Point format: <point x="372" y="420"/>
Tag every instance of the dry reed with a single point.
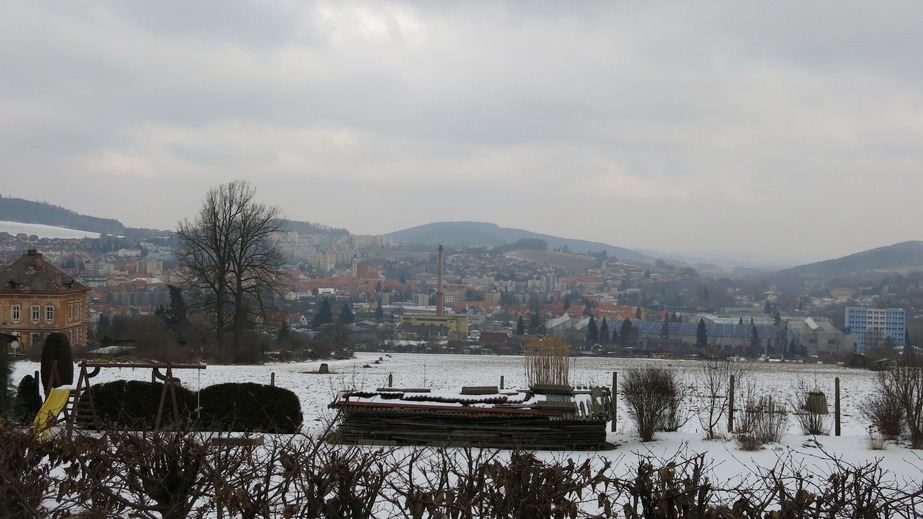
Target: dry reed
<point x="548" y="362"/>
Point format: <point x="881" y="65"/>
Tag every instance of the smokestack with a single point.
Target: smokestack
<point x="440" y="295"/>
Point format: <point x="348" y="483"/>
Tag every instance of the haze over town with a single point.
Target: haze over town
<point x="786" y="130"/>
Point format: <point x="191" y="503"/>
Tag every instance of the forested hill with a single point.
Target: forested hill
<point x="899" y="258"/>
<point x="25" y="211"/>
<point x="480" y="234"/>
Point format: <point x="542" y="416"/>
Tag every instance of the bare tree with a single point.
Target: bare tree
<point x="713" y="382"/>
<point x="231" y="258"/>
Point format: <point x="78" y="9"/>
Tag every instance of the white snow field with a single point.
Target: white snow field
<point x="728" y="463"/>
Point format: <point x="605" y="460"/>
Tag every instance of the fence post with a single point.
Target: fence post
<point x="272" y="379"/>
<point x="501" y="382"/>
<point x="390" y="379"/>
<point x="836" y="406"/>
<point x="614" y="402"/>
<point x="731" y="406"/>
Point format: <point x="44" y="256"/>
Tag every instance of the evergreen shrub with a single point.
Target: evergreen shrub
<point x="57" y="347"/>
<point x="249" y="407"/>
<point x="28" y="400"/>
<point x="7" y="397"/>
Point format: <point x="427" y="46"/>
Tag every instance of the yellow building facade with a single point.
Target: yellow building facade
<point x="36" y="299"/>
<point x="452" y="327"/>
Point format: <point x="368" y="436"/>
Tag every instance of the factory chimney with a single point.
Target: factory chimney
<point x="440" y="295"/>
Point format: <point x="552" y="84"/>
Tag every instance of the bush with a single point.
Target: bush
<point x="810" y="416"/>
<point x="57" y="348"/>
<point x="133" y="403"/>
<point x="904" y="383"/>
<point x="885" y="412"/>
<point x="28" y="400"/>
<point x="249" y="407"/>
<point x="650" y="393"/>
<point x="7" y="397"/>
<point x="764" y="422"/>
<point x="676" y="414"/>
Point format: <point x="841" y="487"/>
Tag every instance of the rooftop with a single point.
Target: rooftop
<point x="30" y="273"/>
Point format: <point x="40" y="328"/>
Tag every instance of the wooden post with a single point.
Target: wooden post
<point x="614" y="402"/>
<point x="836" y="406"/>
<point x="390" y="379"/>
<point x="501" y="382"/>
<point x="272" y="379"/>
<point x="52" y="379"/>
<point x="731" y="405"/>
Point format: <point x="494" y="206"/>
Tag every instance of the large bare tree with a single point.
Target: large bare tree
<point x="231" y="258"/>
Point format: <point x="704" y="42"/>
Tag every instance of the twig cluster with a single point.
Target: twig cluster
<point x="180" y="473"/>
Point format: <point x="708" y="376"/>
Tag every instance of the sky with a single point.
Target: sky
<point x="786" y="130"/>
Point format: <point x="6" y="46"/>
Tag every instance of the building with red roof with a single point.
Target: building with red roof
<point x="37" y="298"/>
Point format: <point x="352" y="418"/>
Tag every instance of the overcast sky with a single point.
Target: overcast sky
<point x="790" y="130"/>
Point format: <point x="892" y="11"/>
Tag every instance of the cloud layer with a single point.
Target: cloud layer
<point x="786" y="129"/>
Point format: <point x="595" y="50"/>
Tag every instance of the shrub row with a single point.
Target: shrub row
<point x="180" y="474"/>
<point x="240" y="407"/>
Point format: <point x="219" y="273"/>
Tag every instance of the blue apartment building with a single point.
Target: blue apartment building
<point x="875" y="327"/>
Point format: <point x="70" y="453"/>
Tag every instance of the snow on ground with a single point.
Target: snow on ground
<point x="368" y="371"/>
<point x="44" y="231"/>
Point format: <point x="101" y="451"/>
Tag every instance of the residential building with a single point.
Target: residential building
<point x="429" y="326"/>
<point x="37" y="298"/>
<point x="150" y="266"/>
<point x="819" y="336"/>
<point x="876" y="327"/>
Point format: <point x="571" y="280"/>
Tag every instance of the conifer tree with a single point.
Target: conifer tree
<point x="701" y="334"/>
<point x="346" y="315"/>
<point x="754" y="337"/>
<point x="592" y="331"/>
<point x="324" y="314"/>
<point x="625" y="333"/>
<point x="536" y="326"/>
<point x="604" y="333"/>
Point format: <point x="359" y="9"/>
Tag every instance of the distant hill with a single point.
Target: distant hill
<point x="480" y="234"/>
<point x="899" y="258"/>
<point x="313" y="228"/>
<point x="25" y="211"/>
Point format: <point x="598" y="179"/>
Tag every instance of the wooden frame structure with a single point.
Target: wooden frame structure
<point x="86" y="407"/>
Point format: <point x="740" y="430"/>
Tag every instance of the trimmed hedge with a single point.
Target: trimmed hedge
<point x="28" y="400"/>
<point x="57" y="347"/>
<point x="133" y="403"/>
<point x="249" y="407"/>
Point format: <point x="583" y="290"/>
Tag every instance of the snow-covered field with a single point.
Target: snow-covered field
<point x="44" y="231"/>
<point x="450" y="372"/>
